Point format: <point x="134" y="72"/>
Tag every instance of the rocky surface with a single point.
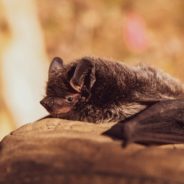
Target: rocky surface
<point x="60" y="151"/>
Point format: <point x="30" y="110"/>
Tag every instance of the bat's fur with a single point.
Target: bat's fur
<point x="119" y="91"/>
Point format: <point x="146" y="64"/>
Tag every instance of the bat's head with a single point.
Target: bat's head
<point x="67" y="86"/>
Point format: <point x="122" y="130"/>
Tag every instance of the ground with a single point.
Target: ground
<point x="61" y="151"/>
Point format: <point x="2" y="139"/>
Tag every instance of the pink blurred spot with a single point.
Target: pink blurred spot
<point x="134" y="33"/>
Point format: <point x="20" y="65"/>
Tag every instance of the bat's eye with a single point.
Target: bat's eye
<point x="69" y="98"/>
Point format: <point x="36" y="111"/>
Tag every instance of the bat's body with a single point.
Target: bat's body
<point x="98" y="90"/>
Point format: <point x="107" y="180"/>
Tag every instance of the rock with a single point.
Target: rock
<point x="60" y="151"/>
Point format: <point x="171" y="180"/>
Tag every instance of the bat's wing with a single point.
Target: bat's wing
<point x="161" y="123"/>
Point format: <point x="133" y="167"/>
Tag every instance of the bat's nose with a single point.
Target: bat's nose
<point x="42" y="102"/>
<point x="45" y="103"/>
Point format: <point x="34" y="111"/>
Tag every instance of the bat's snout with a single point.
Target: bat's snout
<point x="46" y="104"/>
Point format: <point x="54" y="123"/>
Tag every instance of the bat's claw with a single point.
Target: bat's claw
<point x="128" y="131"/>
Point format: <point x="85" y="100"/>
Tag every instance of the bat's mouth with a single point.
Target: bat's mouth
<point x="60" y="115"/>
<point x="62" y="111"/>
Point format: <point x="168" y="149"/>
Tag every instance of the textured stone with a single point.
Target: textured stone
<point x="60" y="151"/>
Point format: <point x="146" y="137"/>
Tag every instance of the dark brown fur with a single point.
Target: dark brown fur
<point x="117" y="92"/>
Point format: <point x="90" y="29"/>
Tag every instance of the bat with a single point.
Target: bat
<point x="100" y="90"/>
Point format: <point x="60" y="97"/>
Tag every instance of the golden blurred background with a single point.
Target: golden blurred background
<point x="33" y="32"/>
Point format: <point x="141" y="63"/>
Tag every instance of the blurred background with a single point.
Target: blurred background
<point x="33" y="32"/>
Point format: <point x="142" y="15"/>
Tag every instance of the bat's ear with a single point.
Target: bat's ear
<point x="83" y="74"/>
<point x="55" y="66"/>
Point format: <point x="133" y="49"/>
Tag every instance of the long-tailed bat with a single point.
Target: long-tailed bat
<point x="99" y="90"/>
